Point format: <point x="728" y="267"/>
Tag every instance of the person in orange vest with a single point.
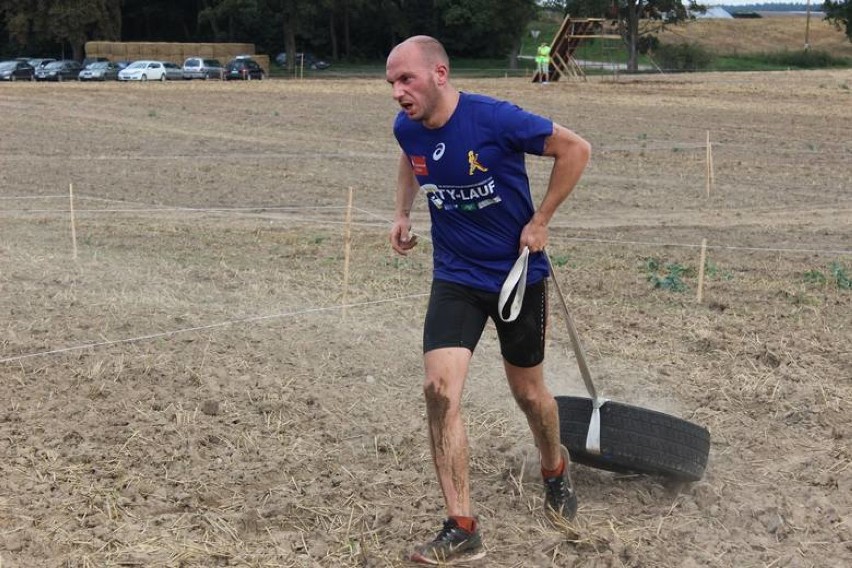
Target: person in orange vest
<point x="542" y="62"/>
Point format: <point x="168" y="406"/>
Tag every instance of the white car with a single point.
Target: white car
<point x="143" y="71"/>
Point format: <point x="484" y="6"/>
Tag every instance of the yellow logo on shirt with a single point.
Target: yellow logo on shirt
<point x="473" y="160"/>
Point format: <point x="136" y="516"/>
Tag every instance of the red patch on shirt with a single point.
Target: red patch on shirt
<point x="418" y="164"/>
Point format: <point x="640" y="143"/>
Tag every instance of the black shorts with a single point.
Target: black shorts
<point x="457" y="316"/>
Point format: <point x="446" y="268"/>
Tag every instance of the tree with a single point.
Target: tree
<point x="839" y="13"/>
<point x="70" y="21"/>
<point x="630" y="12"/>
<point x="483" y="28"/>
<point x="629" y="15"/>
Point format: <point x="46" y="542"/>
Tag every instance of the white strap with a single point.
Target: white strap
<point x="516" y="280"/>
<point x="593" y="438"/>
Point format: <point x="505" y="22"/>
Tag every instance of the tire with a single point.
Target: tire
<point x="635" y="440"/>
<point x="163" y="78"/>
<point x="144" y="77"/>
<point x="12" y="77"/>
<point x="58" y="77"/>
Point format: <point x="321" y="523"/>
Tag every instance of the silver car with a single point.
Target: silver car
<point x="99" y="71"/>
<point x="202" y="68"/>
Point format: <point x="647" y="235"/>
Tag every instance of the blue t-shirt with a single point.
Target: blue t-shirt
<point x="473" y="173"/>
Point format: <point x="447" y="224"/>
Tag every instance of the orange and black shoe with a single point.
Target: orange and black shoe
<point x="560" y="497"/>
<point x="453" y="545"/>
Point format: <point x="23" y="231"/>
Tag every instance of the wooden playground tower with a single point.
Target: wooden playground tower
<point x="572" y="33"/>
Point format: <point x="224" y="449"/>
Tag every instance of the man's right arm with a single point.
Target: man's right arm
<point x="406" y="190"/>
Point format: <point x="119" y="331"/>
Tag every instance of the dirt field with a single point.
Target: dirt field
<point x="201" y="387"/>
<point x="769" y="34"/>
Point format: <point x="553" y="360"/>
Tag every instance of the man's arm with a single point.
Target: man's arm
<point x="571" y="155"/>
<point x="406" y="190"/>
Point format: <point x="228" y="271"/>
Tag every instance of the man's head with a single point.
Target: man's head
<point x="418" y="69"/>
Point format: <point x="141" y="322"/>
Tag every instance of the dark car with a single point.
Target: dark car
<point x="306" y="59"/>
<point x="243" y="68"/>
<point x="99" y="71"/>
<point x="16" y="71"/>
<point x="39" y="62"/>
<point x="65" y="70"/>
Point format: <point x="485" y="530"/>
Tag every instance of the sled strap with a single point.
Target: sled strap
<point x="593" y="439"/>
<point x="517" y="282"/>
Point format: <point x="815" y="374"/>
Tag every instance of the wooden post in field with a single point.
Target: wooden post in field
<point x="701" y="270"/>
<point x="73" y="224"/>
<point x="709" y="174"/>
<point x="347" y="246"/>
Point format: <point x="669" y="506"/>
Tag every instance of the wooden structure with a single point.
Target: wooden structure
<point x="572" y="33"/>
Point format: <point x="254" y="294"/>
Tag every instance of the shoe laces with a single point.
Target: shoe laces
<point x="557" y="487"/>
<point x="450" y="527"/>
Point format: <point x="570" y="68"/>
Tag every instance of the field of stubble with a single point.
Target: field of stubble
<point x="228" y="373"/>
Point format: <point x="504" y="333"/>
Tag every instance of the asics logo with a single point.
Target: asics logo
<point x="439" y="151"/>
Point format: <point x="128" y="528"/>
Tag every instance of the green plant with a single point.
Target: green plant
<point x="712" y="270"/>
<point x="667" y="277"/>
<point x="841" y="279"/>
<point x="837" y="276"/>
<point x="814" y="277"/>
<point x="559" y="259"/>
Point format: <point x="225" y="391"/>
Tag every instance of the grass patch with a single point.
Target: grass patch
<point x="668" y="276"/>
<point x="837" y="276"/>
<point x="779" y="61"/>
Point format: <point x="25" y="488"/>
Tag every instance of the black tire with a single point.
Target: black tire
<point x="635" y="440"/>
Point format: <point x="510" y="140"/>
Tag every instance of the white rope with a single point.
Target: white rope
<point x="687" y="245"/>
<point x="205" y="327"/>
<point x="178" y="209"/>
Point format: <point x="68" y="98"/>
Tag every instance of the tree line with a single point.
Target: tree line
<point x="337" y="29"/>
<point x="352" y="30"/>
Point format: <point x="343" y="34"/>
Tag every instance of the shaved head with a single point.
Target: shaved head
<point x="429" y="48"/>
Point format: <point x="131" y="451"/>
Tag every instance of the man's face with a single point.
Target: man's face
<point x="413" y="81"/>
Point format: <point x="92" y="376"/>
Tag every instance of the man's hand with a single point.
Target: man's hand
<point x="534" y="235"/>
<point x="401" y="238"/>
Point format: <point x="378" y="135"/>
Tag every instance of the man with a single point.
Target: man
<point x="466" y="153"/>
<point x="542" y="62"/>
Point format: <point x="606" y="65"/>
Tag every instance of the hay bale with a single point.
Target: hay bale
<point x="263" y="61"/>
<point x="95" y="49"/>
<point x="118" y="51"/>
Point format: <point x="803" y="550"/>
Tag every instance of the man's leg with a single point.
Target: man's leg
<point x="542" y="412"/>
<point x="539" y="406"/>
<point x="446" y="371"/>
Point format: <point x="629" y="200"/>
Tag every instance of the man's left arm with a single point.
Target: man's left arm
<point x="571" y="155"/>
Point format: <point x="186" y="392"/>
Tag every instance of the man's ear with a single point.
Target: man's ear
<point x="442" y="74"/>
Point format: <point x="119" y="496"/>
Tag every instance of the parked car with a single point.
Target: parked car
<point x="16" y="71"/>
<point x="310" y="61"/>
<point x="243" y="68"/>
<point x="39" y="62"/>
<point x="173" y="71"/>
<point x="99" y="71"/>
<point x="202" y="68"/>
<point x="89" y="60"/>
<point x="64" y="70"/>
<point x="143" y="70"/>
